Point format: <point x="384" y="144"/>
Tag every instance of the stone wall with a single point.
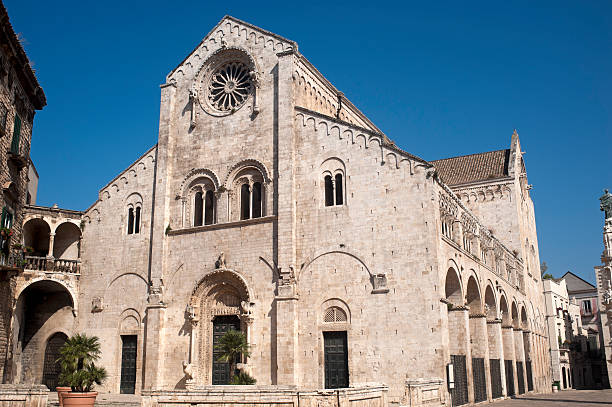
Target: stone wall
<point x="23" y="396"/>
<point x="371" y="395"/>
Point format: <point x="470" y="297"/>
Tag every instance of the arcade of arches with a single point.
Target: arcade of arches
<point x="495" y="350"/>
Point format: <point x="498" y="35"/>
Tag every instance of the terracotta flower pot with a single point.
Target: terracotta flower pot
<point x="73" y="399"/>
<point x="60" y="391"/>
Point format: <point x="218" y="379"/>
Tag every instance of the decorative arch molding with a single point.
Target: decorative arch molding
<point x="70" y="290"/>
<point x="317" y="256"/>
<point x="127" y="315"/>
<point x="219" y="274"/>
<point x="74" y="222"/>
<point x="338" y="303"/>
<point x="144" y="280"/>
<point x="195" y="174"/>
<point x="242" y="165"/>
<point x="220" y="293"/>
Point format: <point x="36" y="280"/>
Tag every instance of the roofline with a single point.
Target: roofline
<point x="350" y="104"/>
<point x="387" y="144"/>
<point x="25" y="73"/>
<point x="58" y="209"/>
<point x="468" y="155"/>
<point x="236" y="20"/>
<point x="580" y="278"/>
<point x="480" y="182"/>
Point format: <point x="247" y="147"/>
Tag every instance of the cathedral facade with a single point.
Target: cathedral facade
<point x="272" y="205"/>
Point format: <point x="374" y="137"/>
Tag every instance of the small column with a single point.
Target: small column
<point x="286" y="330"/>
<point x="51" y="243"/>
<point x="154" y="331"/>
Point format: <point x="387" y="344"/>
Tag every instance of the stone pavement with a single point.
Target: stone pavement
<point x="104" y="399"/>
<point x="566" y="398"/>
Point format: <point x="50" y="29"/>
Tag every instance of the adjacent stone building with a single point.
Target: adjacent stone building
<point x="272" y="205"/>
<point x="603" y="274"/>
<point x="20" y="97"/>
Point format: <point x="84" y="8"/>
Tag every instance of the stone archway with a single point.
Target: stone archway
<point x="221" y="293"/>
<point x="43" y="308"/>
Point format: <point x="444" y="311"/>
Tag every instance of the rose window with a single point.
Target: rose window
<point x="229" y="87"/>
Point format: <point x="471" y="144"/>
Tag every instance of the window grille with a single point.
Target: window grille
<point x="335" y="314"/>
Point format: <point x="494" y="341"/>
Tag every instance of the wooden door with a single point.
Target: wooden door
<point x="51" y="369"/>
<point x="336" y="360"/>
<point x="128" y="364"/>
<point x="221" y="370"/>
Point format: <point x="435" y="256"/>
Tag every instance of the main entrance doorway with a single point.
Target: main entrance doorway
<point x="222" y="324"/>
<point x="51" y="368"/>
<point x="336" y="360"/>
<point x="128" y="364"/>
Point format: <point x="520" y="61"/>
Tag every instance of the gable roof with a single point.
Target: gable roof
<point x="577" y="284"/>
<point x="466" y="169"/>
<point x="235" y="20"/>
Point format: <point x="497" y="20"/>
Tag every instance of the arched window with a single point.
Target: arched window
<point x="335" y="314"/>
<point x="209" y="208"/>
<point x="339" y="193"/>
<point x="329" y="191"/>
<point x="137" y="220"/>
<point x="130" y="229"/>
<point x="245" y="198"/>
<point x="256" y="200"/>
<point x="197" y="209"/>
<point x="334" y="189"/>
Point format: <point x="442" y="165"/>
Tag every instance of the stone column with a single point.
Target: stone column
<point x="51" y="244"/>
<point x="527" y="355"/>
<point x="496" y="351"/>
<point x="508" y="342"/>
<point x="286" y="335"/>
<point x="519" y="354"/>
<point x="286" y="301"/>
<point x="154" y="335"/>
<point x="459" y="342"/>
<point x="480" y="347"/>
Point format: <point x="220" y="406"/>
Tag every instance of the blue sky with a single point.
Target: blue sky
<point x="440" y="78"/>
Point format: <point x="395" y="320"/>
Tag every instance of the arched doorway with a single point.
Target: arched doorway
<point x="43" y="308"/>
<point x="36" y="234"/>
<point x="66" y="244"/>
<point x="51" y="368"/>
<point x="220" y="302"/>
<point x="478" y="339"/>
<point x="457" y="331"/>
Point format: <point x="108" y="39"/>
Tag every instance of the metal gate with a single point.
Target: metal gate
<point x="221" y="370"/>
<point x="496" y="380"/>
<point x="480" y="381"/>
<point x="336" y="360"/>
<point x="529" y="377"/>
<point x="520" y="377"/>
<point x="460" y="392"/>
<point x="51" y="369"/>
<point x="128" y="364"/>
<point x="509" y="378"/>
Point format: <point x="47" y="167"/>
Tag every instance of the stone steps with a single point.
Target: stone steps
<point x="104" y="400"/>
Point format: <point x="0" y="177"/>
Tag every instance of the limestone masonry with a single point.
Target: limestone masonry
<point x="272" y="205"/>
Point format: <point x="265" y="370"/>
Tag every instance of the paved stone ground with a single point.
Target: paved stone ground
<point x="115" y="400"/>
<point x="566" y="398"/>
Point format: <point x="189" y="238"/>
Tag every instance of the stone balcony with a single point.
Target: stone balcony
<point x="51" y="265"/>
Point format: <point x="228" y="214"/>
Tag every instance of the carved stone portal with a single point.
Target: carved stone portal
<point x="220" y="293"/>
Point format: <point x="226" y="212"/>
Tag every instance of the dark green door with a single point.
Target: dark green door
<point x="336" y="360"/>
<point x="220" y="370"/>
<point x="128" y="364"/>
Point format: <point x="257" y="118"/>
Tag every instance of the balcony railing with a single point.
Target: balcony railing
<point x="52" y="265"/>
<point x="12" y="261"/>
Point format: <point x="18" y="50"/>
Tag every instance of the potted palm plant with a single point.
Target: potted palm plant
<point x="78" y="370"/>
<point x="233" y="346"/>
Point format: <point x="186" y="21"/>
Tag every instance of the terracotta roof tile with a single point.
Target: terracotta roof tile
<point x="474" y="167"/>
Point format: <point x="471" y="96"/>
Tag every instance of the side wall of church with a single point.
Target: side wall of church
<point x="114" y="272"/>
<point x="385" y="225"/>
